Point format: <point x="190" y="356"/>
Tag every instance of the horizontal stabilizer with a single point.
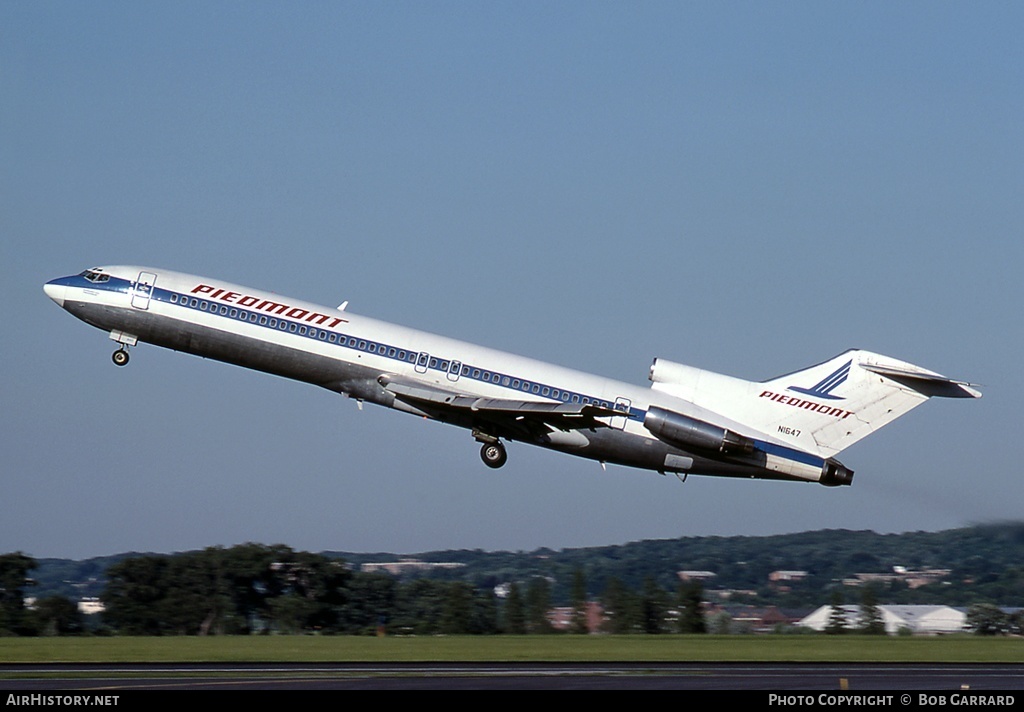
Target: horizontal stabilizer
<point x="925" y="382"/>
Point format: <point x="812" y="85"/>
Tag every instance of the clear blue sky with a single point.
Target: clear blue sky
<point x="747" y="187"/>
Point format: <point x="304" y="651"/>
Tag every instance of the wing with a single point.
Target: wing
<point x="512" y="417"/>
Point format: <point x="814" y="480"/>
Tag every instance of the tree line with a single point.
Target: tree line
<point x="52" y="615"/>
<point x="984" y="564"/>
<point x="254" y="588"/>
<point x="258" y="589"/>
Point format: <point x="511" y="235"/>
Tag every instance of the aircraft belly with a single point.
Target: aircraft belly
<point x="228" y="347"/>
<point x="566" y="439"/>
<point x="622" y="448"/>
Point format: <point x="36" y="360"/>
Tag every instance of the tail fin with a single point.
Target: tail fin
<point x="840" y="401"/>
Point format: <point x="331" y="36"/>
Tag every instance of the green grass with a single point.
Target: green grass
<point x="639" y="648"/>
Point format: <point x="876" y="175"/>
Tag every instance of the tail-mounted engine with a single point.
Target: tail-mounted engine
<point x="686" y="432"/>
<point x="834" y="474"/>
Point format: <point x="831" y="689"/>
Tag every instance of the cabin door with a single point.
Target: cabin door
<point x="619" y="421"/>
<point x="143" y="290"/>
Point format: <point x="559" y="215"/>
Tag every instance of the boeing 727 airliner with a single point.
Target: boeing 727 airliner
<point x="689" y="421"/>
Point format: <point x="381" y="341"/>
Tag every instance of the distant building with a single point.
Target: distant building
<point x="781" y="580"/>
<point x="396" y="568"/>
<point x="784" y="576"/>
<point x="913" y="579"/>
<point x="754" y="619"/>
<point x="727" y="594"/>
<point x="89" y="606"/>
<point x="696" y="575"/>
<point x="561" y="618"/>
<point x="921" y="620"/>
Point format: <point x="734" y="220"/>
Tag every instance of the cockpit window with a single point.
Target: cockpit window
<point x="95" y="276"/>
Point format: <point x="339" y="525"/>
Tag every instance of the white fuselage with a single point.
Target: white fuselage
<point x="413" y="371"/>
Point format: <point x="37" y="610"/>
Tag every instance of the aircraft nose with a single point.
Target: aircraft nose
<point x="55" y="291"/>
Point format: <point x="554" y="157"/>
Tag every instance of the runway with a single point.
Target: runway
<point x="111" y="679"/>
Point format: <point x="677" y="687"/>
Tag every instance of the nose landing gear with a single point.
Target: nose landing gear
<point x="123" y="340"/>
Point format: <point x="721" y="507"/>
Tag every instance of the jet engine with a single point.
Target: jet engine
<point x="686" y="432"/>
<point x="834" y="474"/>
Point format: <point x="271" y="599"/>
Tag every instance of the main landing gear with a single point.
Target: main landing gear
<point x="493" y="454"/>
<point x="120" y="357"/>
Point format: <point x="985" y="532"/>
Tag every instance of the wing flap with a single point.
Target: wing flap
<point x="562" y="415"/>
